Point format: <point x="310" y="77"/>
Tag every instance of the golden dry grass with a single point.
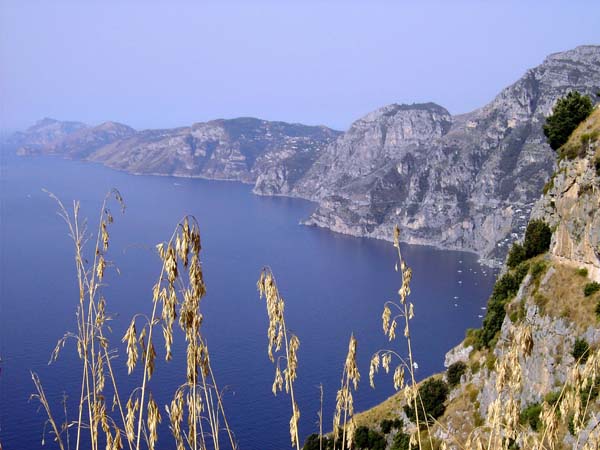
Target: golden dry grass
<point x="563" y="297"/>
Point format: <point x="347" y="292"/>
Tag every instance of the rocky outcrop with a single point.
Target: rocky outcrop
<point x="463" y="182"/>
<point x="551" y="303"/>
<point x="571" y="204"/>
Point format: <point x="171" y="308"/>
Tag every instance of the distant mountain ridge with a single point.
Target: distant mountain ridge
<point x="235" y="149"/>
<point x="465" y="182"/>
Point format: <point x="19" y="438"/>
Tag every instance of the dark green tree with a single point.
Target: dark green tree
<point x="591" y="288"/>
<point x="401" y="442"/>
<point x="568" y="112"/>
<point x="366" y="439"/>
<point x="581" y="350"/>
<point x="516" y="255"/>
<point x="537" y="238"/>
<point x="313" y="443"/>
<point x="433" y="394"/>
<point x="455" y="371"/>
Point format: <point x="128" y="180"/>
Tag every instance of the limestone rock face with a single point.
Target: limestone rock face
<point x="571" y="205"/>
<point x="463" y="182"/>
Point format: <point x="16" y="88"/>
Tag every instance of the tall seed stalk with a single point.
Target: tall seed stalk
<point x="92" y="345"/>
<point x="343" y="419"/>
<point x="403" y="311"/>
<point x="277" y="333"/>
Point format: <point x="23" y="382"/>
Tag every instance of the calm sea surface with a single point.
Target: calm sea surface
<point x="334" y="285"/>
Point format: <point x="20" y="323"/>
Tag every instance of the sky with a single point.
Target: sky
<point x="153" y="64"/>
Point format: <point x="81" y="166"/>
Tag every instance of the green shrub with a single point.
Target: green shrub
<point x="455" y="371"/>
<point x="537" y="238"/>
<point x="591" y="391"/>
<point x="581" y="350"/>
<point x="505" y="288"/>
<point x="387" y="425"/>
<point x="571" y="424"/>
<point x="587" y="138"/>
<point x="531" y="416"/>
<point x="312" y="443"/>
<point x="591" y="288"/>
<point x="582" y="272"/>
<point x="516" y="255"/>
<point x="552" y="398"/>
<point x="433" y="394"/>
<point x="520" y="273"/>
<point x="568" y="112"/>
<point x="490" y="361"/>
<point x="366" y="439"/>
<point x="401" y="442"/>
<point x="569" y="152"/>
<point x="472" y="337"/>
<point x="537" y="269"/>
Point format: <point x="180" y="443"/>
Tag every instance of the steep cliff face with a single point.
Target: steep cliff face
<point x="545" y="374"/>
<point x="551" y="301"/>
<point x="572" y="201"/>
<point x="464" y="182"/>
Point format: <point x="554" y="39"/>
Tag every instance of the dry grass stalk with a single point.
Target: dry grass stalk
<point x="343" y="419"/>
<point x="181" y="275"/>
<point x="394" y="312"/>
<point x="41" y="397"/>
<point x="278" y="336"/>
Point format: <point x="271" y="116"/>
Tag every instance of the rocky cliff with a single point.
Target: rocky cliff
<point x="463" y="182"/>
<point x="571" y="203"/>
<point x="540" y="371"/>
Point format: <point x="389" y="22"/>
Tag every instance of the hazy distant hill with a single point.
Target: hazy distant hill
<point x="236" y="149"/>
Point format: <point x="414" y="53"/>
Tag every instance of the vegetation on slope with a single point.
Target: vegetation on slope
<point x="566" y="116"/>
<point x="552" y="291"/>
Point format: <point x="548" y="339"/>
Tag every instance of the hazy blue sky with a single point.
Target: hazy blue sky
<point x="163" y="64"/>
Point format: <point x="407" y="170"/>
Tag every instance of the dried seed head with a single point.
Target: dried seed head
<point x="132" y="408"/>
<point x="132" y="350"/>
<point x="350" y="366"/>
<point x="154" y="419"/>
<point x="105" y="237"/>
<point x="399" y="377"/>
<point x="385" y="317"/>
<point x="176" y="418"/>
<point x="385" y="361"/>
<point x="373" y="369"/>
<point x="294" y="423"/>
<point x="278" y="382"/>
<point x="100" y="266"/>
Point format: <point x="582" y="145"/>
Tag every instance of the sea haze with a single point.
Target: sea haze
<point x="333" y="285"/>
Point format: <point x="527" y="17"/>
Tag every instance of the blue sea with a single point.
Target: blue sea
<point x="334" y="285"/>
